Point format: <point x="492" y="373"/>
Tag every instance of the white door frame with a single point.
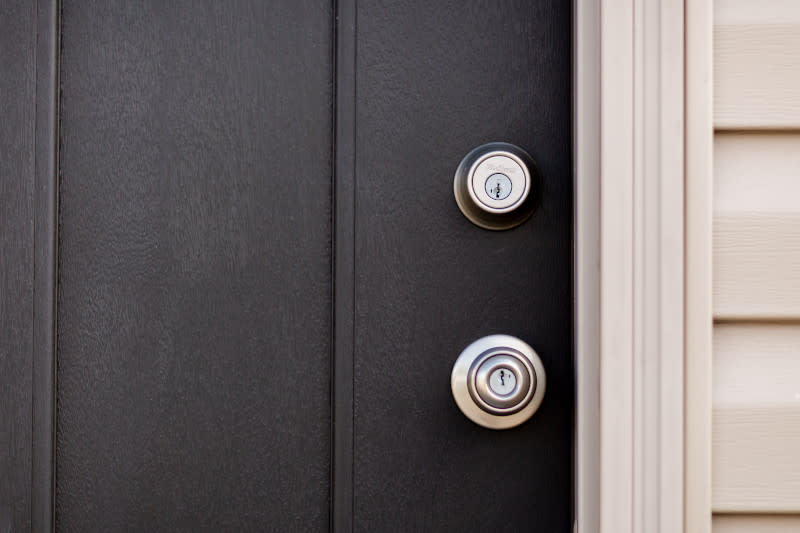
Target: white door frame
<point x="643" y="148"/>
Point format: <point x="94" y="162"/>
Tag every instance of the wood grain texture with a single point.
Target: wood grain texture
<point x="435" y="80"/>
<point x="757" y="225"/>
<point x="195" y="266"/>
<point x="738" y="523"/>
<point x="756" y="364"/>
<point x="344" y="269"/>
<point x="755" y="461"/>
<point x="756" y="58"/>
<point x="17" y="128"/>
<point x="756" y="172"/>
<point x="756" y="258"/>
<point x="756" y="417"/>
<point x="732" y="12"/>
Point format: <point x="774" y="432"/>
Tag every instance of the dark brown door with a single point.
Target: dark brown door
<point x="264" y="279"/>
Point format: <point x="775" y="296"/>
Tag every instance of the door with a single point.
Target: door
<point x="264" y="279"/>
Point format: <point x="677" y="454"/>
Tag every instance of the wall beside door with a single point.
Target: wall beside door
<point x="756" y="273"/>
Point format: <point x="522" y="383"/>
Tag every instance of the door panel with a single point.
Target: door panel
<point x="195" y="308"/>
<point x="17" y="165"/>
<point x="434" y="80"/>
<point x="195" y="285"/>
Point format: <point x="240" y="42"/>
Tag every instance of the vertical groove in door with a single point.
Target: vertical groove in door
<point x="343" y="265"/>
<point x="45" y="266"/>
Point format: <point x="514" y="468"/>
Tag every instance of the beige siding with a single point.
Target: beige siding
<point x="756" y="524"/>
<point x="757" y="365"/>
<point x="756" y="64"/>
<point x="756" y="273"/>
<point x="756" y="432"/>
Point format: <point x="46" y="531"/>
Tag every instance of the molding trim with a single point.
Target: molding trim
<point x="698" y="288"/>
<point x="629" y="125"/>
<point x="586" y="227"/>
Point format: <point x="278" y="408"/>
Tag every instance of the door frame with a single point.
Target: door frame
<point x="642" y="136"/>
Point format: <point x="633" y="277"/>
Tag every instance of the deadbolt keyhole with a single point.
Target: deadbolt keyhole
<point x="498" y="186"/>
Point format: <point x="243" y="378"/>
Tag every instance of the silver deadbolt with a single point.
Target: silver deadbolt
<point x="496" y="186"/>
<point x="498" y="381"/>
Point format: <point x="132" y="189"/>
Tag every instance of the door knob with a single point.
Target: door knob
<point x="498" y="381"/>
<point x="496" y="186"/>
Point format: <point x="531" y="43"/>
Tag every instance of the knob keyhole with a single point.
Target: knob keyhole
<point x="503" y="378"/>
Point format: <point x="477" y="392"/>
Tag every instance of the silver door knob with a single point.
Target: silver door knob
<point x="496" y="186"/>
<point x="498" y="381"/>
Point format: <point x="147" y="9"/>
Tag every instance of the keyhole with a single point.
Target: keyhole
<point x="498" y="187"/>
<point x="503" y="378"/>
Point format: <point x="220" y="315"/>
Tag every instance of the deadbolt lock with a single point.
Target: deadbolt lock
<point x="496" y="186"/>
<point x="498" y="381"/>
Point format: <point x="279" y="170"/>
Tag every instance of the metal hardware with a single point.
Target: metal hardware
<point x="496" y="186"/>
<point x="498" y="381"/>
<point x="487" y="379"/>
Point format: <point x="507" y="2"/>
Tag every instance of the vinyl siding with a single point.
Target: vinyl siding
<point x="756" y="276"/>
